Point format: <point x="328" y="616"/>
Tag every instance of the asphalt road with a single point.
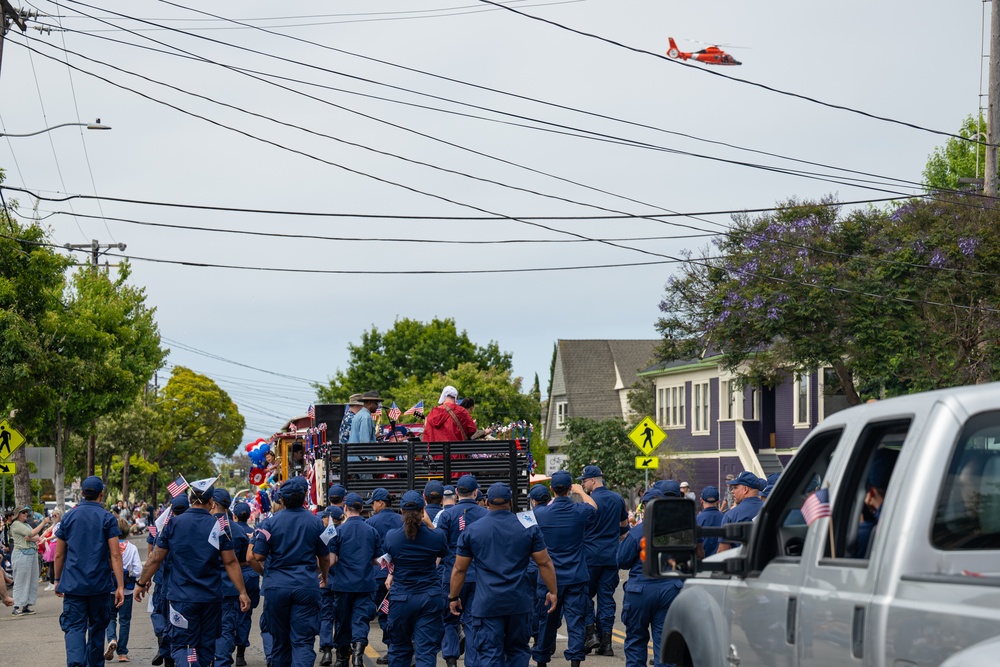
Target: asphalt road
<point x="38" y="640"/>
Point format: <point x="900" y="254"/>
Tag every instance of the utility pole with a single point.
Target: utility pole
<point x="95" y="254"/>
<point x="993" y="108"/>
<point x="7" y="15"/>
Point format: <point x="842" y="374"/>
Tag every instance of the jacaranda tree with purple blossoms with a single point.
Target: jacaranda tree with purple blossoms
<point x="806" y="286"/>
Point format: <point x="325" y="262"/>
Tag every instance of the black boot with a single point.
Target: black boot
<point x="358" y="651"/>
<point x="327" y="658"/>
<point x="451" y="662"/>
<point x="591" y="641"/>
<point x="384" y="659"/>
<point x="574" y="663"/>
<point x="343" y="656"/>
<point x="606" y="645"/>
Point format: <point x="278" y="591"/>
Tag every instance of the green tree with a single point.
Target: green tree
<point x="409" y="351"/>
<point x="123" y="439"/>
<point x="642" y="399"/>
<point x="201" y="421"/>
<point x="957" y="158"/>
<point x="604" y="443"/>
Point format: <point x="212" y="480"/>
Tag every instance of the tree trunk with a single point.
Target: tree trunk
<point x="91" y="454"/>
<point x="126" y="465"/>
<point x="22" y="479"/>
<point x="847" y="382"/>
<point x="60" y="466"/>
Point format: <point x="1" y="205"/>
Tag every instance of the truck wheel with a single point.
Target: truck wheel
<point x="675" y="651"/>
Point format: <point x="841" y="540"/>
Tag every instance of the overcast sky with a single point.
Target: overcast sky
<point x="421" y="108"/>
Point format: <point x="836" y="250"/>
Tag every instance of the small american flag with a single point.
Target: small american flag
<point x="152" y="529"/>
<point x="816" y="506"/>
<point x="419" y="407"/>
<point x="378" y="413"/>
<point x="461" y="522"/>
<point x="192" y="655"/>
<point x="177" y="487"/>
<point x="223" y="522"/>
<point x="394" y="412"/>
<point x="311" y="412"/>
<point x="384" y="607"/>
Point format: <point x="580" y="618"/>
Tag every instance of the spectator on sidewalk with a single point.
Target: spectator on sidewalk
<point x="24" y="560"/>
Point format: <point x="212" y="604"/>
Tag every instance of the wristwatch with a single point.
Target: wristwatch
<point x="452" y="599"/>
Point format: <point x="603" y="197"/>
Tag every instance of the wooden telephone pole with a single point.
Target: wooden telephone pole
<point x="9" y="15"/>
<point x="993" y="106"/>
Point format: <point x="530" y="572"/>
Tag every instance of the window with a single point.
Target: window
<point x="701" y="407"/>
<point x="670" y="407"/>
<point x="751" y="409"/>
<point x="801" y="399"/>
<point x="729" y="396"/>
<point x="968" y="513"/>
<point x="562" y="413"/>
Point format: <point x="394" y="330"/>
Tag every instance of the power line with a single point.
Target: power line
<point x="216" y="357"/>
<point x="727" y="76"/>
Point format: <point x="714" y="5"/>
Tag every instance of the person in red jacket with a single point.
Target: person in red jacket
<point x="449" y="421"/>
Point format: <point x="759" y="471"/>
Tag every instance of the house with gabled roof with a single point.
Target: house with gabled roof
<point x="591" y="379"/>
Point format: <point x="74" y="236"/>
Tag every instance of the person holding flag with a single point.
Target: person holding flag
<point x="290" y="548"/>
<point x="158" y="617"/>
<point x="251" y="582"/>
<point x="231" y="612"/>
<point x="355" y="548"/>
<point x="383" y="519"/>
<point x="199" y="547"/>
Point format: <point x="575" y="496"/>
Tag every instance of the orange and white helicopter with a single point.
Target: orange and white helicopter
<point x="713" y="55"/>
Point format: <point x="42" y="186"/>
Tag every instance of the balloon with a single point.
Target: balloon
<point x="265" y="448"/>
<point x="250" y="446"/>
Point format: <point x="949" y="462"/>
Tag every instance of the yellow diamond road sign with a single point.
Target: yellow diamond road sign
<point x="10" y="439"/>
<point x="647" y="436"/>
<point x="647" y="462"/>
<point x="8" y="468"/>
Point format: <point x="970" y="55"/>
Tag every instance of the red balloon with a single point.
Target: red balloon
<point x="250" y="445"/>
<point x="257" y="476"/>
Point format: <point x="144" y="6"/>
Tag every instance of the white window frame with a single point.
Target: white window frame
<point x="562" y="412"/>
<point x="801" y="380"/>
<point x="729" y="396"/>
<point x="701" y="403"/>
<point x="671" y="405"/>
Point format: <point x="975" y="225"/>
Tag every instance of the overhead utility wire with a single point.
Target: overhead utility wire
<point x="477" y="86"/>
<point x="419" y="134"/>
<point x="194" y="350"/>
<point x="779" y="91"/>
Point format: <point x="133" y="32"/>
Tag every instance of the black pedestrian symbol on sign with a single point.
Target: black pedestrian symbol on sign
<point x="647" y="434"/>
<point x="4" y="441"/>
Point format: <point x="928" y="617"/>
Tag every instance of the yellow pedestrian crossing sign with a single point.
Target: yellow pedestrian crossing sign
<point x="647" y="436"/>
<point x="8" y="468"/>
<point x="10" y="439"/>
<point x="647" y="462"/>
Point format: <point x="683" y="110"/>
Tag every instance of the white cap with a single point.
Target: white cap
<point x="448" y="391"/>
<point x="685" y="484"/>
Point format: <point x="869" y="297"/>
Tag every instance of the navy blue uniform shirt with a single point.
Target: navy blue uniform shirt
<point x="383" y="522"/>
<point x="501" y="546"/>
<point x="602" y="539"/>
<point x="414" y="561"/>
<point x="196" y="572"/>
<point x="747" y="510"/>
<point x="432" y="510"/>
<point x="712" y="517"/>
<point x="564" y="525"/>
<point x="86" y="530"/>
<point x="452" y="521"/>
<point x="290" y="543"/>
<point x="357" y="544"/>
<point x="241" y="541"/>
<point x="628" y="559"/>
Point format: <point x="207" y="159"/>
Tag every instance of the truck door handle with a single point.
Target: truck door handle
<point x="793" y="604"/>
<point x="858" y="633"/>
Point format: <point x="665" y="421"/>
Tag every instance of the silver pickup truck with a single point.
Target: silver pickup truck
<point x="917" y="583"/>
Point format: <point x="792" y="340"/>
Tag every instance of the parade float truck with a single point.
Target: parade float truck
<point x="840" y="568"/>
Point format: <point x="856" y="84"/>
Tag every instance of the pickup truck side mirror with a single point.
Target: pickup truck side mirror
<point x="670" y="540"/>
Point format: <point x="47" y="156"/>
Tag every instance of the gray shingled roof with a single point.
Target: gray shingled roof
<point x="589" y="372"/>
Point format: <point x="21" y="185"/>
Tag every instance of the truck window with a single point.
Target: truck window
<point x="968" y="509"/>
<point x="861" y="494"/>
<point x="781" y="529"/>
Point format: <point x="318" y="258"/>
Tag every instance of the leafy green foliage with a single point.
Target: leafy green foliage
<point x="409" y="351"/>
<point x="604" y="443"/>
<point x="957" y="158"/>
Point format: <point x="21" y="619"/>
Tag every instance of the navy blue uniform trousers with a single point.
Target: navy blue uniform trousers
<point x="293" y="619"/>
<point x="640" y="612"/>
<point x="415" y="626"/>
<point x="85" y="619"/>
<point x="572" y="604"/>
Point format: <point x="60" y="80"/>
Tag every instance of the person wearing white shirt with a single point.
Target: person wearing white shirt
<point x="121" y="618"/>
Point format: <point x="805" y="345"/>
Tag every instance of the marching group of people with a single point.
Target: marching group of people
<point x="441" y="577"/>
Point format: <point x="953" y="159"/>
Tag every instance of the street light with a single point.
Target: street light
<point x="96" y="125"/>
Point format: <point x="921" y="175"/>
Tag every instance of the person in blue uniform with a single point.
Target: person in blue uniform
<point x="646" y="601"/>
<point x="355" y="548"/>
<point x="500" y="544"/>
<point x="564" y="526"/>
<point x="88" y="566"/>
<point x="746" y="494"/>
<point x="231" y="612"/>
<point x="251" y="582"/>
<point x="332" y="516"/>
<point x="709" y="516"/>
<point x="601" y="543"/>
<point x="772" y="479"/>
<point x="433" y="496"/>
<point x="538" y="496"/>
<point x="415" y="625"/>
<point x="336" y="495"/>
<point x="383" y="519"/>
<point x="291" y="547"/>
<point x="158" y="617"/>
<point x="199" y="547"/>
<point x="452" y="522"/>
